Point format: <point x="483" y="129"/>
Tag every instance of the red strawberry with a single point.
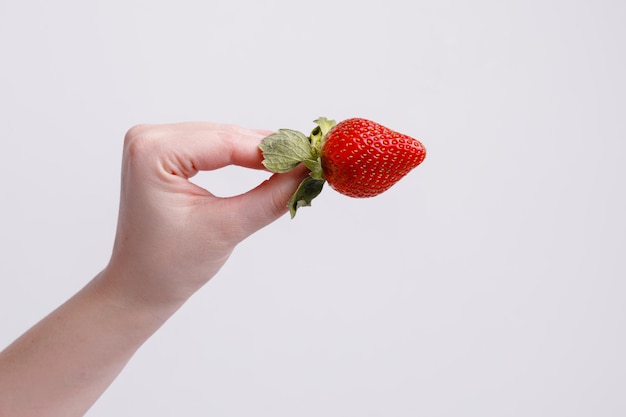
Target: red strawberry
<point x="358" y="158"/>
<point x="361" y="158"/>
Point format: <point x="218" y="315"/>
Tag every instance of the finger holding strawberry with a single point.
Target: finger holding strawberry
<point x="358" y="157"/>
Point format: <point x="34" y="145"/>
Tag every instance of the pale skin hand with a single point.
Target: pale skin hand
<point x="172" y="237"/>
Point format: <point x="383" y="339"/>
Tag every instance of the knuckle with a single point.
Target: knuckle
<point x="136" y="131"/>
<point x="139" y="139"/>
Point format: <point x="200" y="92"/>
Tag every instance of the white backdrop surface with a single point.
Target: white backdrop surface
<point x="489" y="282"/>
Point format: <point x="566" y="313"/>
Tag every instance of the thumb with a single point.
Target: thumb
<point x="268" y="201"/>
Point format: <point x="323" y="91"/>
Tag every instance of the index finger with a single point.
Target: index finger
<point x="186" y="148"/>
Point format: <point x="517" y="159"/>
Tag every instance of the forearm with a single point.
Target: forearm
<point x="65" y="362"/>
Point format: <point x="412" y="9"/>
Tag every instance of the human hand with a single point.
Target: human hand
<point x="173" y="235"/>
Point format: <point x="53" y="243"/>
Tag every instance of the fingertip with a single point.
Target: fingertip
<point x="280" y="188"/>
<point x="245" y="150"/>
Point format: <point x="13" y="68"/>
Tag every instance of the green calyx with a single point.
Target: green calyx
<point x="286" y="149"/>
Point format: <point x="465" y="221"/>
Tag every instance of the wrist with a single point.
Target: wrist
<point x="122" y="291"/>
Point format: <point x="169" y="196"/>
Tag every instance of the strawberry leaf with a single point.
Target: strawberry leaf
<point x="308" y="189"/>
<point x="320" y="131"/>
<point x="285" y="149"/>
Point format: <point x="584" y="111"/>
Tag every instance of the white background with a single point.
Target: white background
<point x="488" y="282"/>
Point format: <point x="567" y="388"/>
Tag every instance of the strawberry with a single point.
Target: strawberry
<point x="361" y="158"/>
<point x="357" y="157"/>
